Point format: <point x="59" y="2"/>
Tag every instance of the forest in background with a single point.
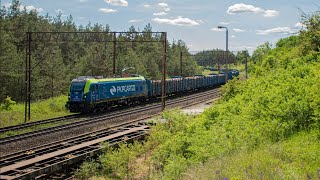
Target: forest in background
<point x="55" y="64"/>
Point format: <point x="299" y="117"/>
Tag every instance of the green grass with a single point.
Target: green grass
<point x="50" y="108"/>
<point x="295" y="158"/>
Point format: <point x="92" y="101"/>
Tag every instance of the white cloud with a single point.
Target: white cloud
<point x="160" y="14"/>
<point x="299" y="25"/>
<point x="238" y="30"/>
<point x="32" y="8"/>
<point x="117" y="2"/>
<point x="166" y="9"/>
<point x="82" y="1"/>
<point x="105" y="10"/>
<point x="244" y="8"/>
<point x="217" y="29"/>
<point x="283" y="30"/>
<point x="164" y="6"/>
<point x="135" y="21"/>
<point x="271" y="13"/>
<point x="233" y="36"/>
<point x="179" y="21"/>
<point x="160" y="7"/>
<point x="29" y="8"/>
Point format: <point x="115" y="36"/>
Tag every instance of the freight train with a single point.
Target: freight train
<point x="89" y="94"/>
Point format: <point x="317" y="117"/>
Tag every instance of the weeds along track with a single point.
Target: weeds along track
<point x="48" y="158"/>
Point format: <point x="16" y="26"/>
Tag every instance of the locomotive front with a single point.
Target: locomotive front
<point x="76" y="96"/>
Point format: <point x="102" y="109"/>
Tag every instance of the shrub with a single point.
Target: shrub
<point x="87" y="170"/>
<point x="8" y="104"/>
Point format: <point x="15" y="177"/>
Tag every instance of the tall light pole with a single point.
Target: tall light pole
<point x="223" y="27"/>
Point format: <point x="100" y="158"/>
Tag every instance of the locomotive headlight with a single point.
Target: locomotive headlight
<point x="68" y="97"/>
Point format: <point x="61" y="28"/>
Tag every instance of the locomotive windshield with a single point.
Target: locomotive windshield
<point x="77" y="86"/>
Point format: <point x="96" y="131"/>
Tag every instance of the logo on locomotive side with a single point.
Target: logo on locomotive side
<point x="113" y="90"/>
<point x="128" y="88"/>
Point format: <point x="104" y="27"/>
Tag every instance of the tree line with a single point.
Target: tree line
<point x="55" y="64"/>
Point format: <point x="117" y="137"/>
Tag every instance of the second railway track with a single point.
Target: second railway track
<point x="41" y="161"/>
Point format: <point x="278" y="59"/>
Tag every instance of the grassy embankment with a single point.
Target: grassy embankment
<point x="267" y="127"/>
<point x="51" y="108"/>
<point x="294" y="158"/>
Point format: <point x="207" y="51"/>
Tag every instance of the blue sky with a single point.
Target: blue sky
<point x="250" y="22"/>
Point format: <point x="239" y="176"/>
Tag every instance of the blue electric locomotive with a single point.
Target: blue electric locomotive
<point x="88" y="93"/>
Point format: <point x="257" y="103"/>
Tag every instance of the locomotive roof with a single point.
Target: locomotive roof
<point x="99" y="79"/>
<point x="82" y="78"/>
<point x="115" y="79"/>
<point x="94" y="80"/>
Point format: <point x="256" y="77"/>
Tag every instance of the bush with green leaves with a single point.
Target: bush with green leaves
<point x="7" y="104"/>
<point x="280" y="100"/>
<point x="87" y="169"/>
<point x="263" y="109"/>
<point x="278" y="107"/>
<point x="295" y="158"/>
<point x="119" y="162"/>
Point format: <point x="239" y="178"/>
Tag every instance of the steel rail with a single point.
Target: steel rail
<point x="46" y="159"/>
<point x="96" y="119"/>
<point x="30" y="124"/>
<point x="15" y="156"/>
<point x="52" y="120"/>
<point x="48" y="162"/>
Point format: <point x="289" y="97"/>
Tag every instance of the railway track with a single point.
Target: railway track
<point x="53" y="120"/>
<point x="30" y="124"/>
<point x="41" y="161"/>
<point x="99" y="118"/>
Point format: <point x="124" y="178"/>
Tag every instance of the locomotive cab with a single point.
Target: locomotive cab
<point x="76" y="91"/>
<point x="76" y="95"/>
